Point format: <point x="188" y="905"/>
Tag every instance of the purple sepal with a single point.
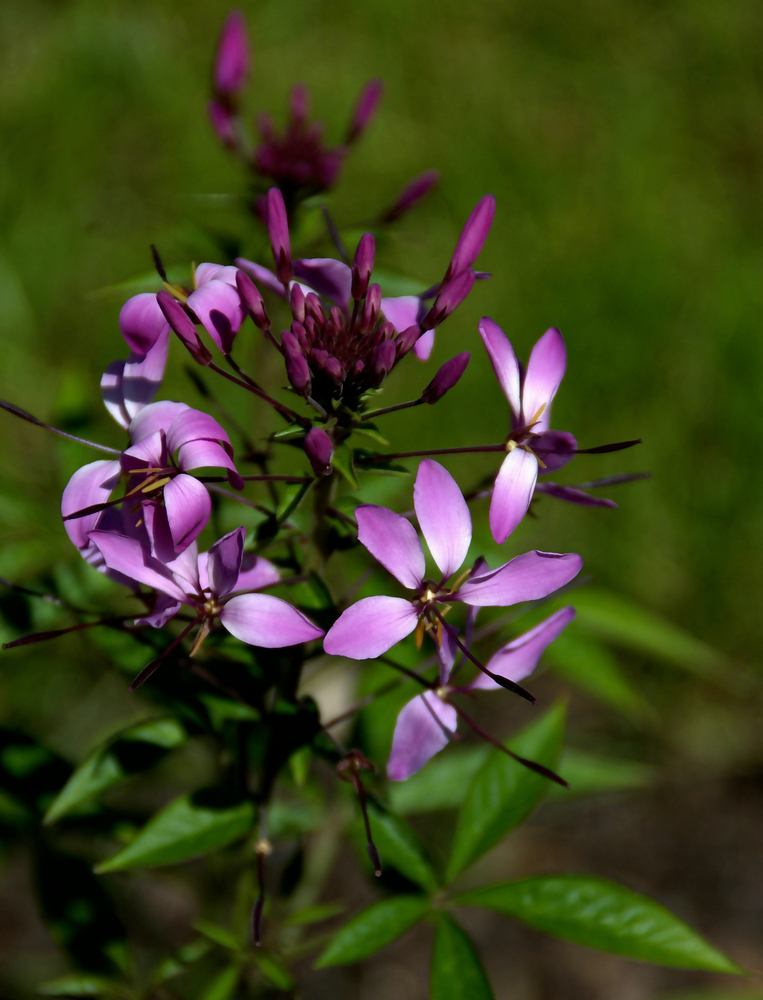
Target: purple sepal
<point x="252" y="300"/>
<point x="446" y="378"/>
<point x="223" y="121"/>
<point x="319" y="448"/>
<point x="473" y="235"/>
<point x="571" y="495"/>
<point x="297" y="371"/>
<point x="363" y="265"/>
<point x="449" y="299"/>
<point x="181" y="323"/>
<point x="232" y="59"/>
<point x="278" y="231"/>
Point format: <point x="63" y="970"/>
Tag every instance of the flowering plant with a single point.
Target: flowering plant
<point x="226" y="639"/>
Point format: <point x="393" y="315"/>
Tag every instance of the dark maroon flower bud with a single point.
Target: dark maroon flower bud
<point x="358" y="367"/>
<point x="319" y="357"/>
<point x="298" y="372"/>
<point x="252" y="300"/>
<point x="319" y="448"/>
<point x="385" y="332"/>
<point x="473" y="235"/>
<point x="299" y="103"/>
<point x="291" y="343"/>
<point x="278" y="230"/>
<point x="314" y="308"/>
<point x="232" y="58"/>
<point x="337" y="317"/>
<point x="405" y="340"/>
<point x="335" y="370"/>
<point x="449" y="299"/>
<point x="181" y="323"/>
<point x="297" y="302"/>
<point x="412" y="193"/>
<point x="446" y="378"/>
<point x="299" y="332"/>
<point x="311" y="328"/>
<point x="383" y="359"/>
<point x="363" y="265"/>
<point x="223" y="122"/>
<point x="365" y="109"/>
<point x="371" y="308"/>
<point x="329" y="334"/>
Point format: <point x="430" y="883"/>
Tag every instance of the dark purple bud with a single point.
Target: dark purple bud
<point x="232" y="58"/>
<point x="473" y="235"/>
<point x="314" y="308"/>
<point x="223" y="122"/>
<point x="446" y="378"/>
<point x="290" y="343"/>
<point x="385" y="332"/>
<point x="365" y="109"/>
<point x="358" y="367"/>
<point x="181" y="323"/>
<point x="297" y="371"/>
<point x="278" y="230"/>
<point x="299" y="332"/>
<point x="407" y="339"/>
<point x="329" y="334"/>
<point x="371" y="308"/>
<point x="311" y="327"/>
<point x="337" y="317"/>
<point x="335" y="370"/>
<point x="297" y="301"/>
<point x="299" y="103"/>
<point x="319" y="357"/>
<point x="252" y="300"/>
<point x="363" y="265"/>
<point x="319" y="448"/>
<point x="382" y="360"/>
<point x="449" y="299"/>
<point x="412" y="193"/>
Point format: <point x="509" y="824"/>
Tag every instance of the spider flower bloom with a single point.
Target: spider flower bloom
<point x="211" y="584"/>
<point x="373" y="625"/>
<point x="427" y="722"/>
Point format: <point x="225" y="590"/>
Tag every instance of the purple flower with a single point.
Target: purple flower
<point x="373" y="625"/>
<point x="411" y="194"/>
<point x="530" y="444"/>
<point x="427" y="722"/>
<point x="212" y="583"/>
<point x="233" y="59"/>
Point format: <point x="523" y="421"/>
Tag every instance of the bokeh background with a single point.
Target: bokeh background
<point x="624" y="144"/>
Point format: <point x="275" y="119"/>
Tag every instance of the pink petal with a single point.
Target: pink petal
<point x="141" y="322"/>
<point x="127" y="556"/>
<point x="256" y="572"/>
<point x="206" y="272"/>
<point x="142" y="377"/>
<point x="155" y="417"/>
<point x="571" y="495"/>
<point x="443" y="516"/>
<point x="545" y="371"/>
<point x="112" y="393"/>
<point x="203" y="454"/>
<point x="370" y="627"/>
<point x="392" y="540"/>
<point x="92" y="484"/>
<point x="518" y="658"/>
<point x="328" y="277"/>
<point x="419" y="735"/>
<point x="512" y="492"/>
<point x="555" y="449"/>
<point x="193" y="425"/>
<point x="504" y="362"/>
<point x="528" y="577"/>
<point x="224" y="562"/>
<point x="188" y="508"/>
<point x="264" y="620"/>
<point x="164" y="609"/>
<point x="423" y="346"/>
<point x="403" y="311"/>
<point x="149" y="453"/>
<point x="262" y="276"/>
<point x="218" y="306"/>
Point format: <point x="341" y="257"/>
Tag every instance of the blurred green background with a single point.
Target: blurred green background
<point x="624" y="144"/>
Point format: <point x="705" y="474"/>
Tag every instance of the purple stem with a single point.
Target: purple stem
<point x="18" y="412"/>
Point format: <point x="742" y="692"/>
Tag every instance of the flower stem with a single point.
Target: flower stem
<point x="285" y="411"/>
<point x="438" y="451"/>
<point x="18" y="412"/>
<point x="390" y="409"/>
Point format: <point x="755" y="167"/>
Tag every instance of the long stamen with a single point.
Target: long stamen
<point x="24" y="415"/>
<point x="371" y="848"/>
<point x="285" y="411"/>
<point x="604" y="448"/>
<point x="146" y="672"/>
<point x="27" y="640"/>
<point x="438" y="451"/>
<point x="390" y="409"/>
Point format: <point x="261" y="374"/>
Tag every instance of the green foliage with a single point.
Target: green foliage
<point x="602" y="914"/>
<point x="372" y="929"/>
<point x="503" y="792"/>
<point x="457" y="972"/>
<point x="223" y="986"/>
<point x="82" y="986"/>
<point x="400" y="847"/>
<point x="441" y="784"/>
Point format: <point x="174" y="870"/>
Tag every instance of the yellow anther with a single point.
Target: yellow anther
<point x="156" y="485"/>
<point x="459" y="581"/>
<point x="211" y="607"/>
<point x="528" y="449"/>
<point x="537" y="416"/>
<point x="428" y="596"/>
<point x="201" y="636"/>
<point x="439" y="634"/>
<point x="175" y="291"/>
<point x="139" y="522"/>
<point x="263" y="846"/>
<point x="511" y="444"/>
<point x="419" y="633"/>
<point x="441" y="692"/>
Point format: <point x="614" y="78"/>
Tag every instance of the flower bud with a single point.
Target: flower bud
<point x="299" y="103"/>
<point x="446" y="378"/>
<point x="363" y="265"/>
<point x="297" y="302"/>
<point x="181" y="323"/>
<point x="405" y="340"/>
<point x="299" y="333"/>
<point x="365" y="109"/>
<point x="335" y="370"/>
<point x="449" y="299"/>
<point x="371" y="308"/>
<point x="319" y="448"/>
<point x="383" y="360"/>
<point x="278" y="231"/>
<point x="386" y="331"/>
<point x="337" y="317"/>
<point x="223" y="122"/>
<point x="314" y="308"/>
<point x="289" y="342"/>
<point x="252" y="300"/>
<point x="473" y="235"/>
<point x="297" y="371"/>
<point x="232" y="58"/>
<point x="412" y="193"/>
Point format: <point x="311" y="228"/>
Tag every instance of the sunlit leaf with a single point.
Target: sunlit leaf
<point x="457" y="972"/>
<point x="602" y="914"/>
<point x="368" y="429"/>
<point x="503" y="792"/>
<point x="372" y="929"/>
<point x="400" y="848"/>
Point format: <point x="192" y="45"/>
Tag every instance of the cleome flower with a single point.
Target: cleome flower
<point x="373" y="625"/>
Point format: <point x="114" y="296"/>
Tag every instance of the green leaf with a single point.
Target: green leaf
<point x="400" y="848"/>
<point x="594" y="669"/>
<point x="299" y="765"/>
<point x="315" y="914"/>
<point x="189" y="826"/>
<point x="368" y="429"/>
<point x="291" y="498"/>
<point x="217" y="934"/>
<point x="342" y="459"/>
<point x="440" y="784"/>
<point x="504" y="792"/>
<point x="589" y="774"/>
<point x="457" y="972"/>
<point x="372" y="929"/>
<point x="81" y="986"/>
<point x="13" y="813"/>
<point x="602" y="914"/>
<point x="224" y="986"/>
<point x="114" y="762"/>
<point x="270" y="967"/>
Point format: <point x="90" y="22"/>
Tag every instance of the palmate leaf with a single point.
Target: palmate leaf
<point x="602" y="914"/>
<point x="372" y="929"/>
<point x="400" y="848"/>
<point x="503" y="792"/>
<point x="189" y="826"/>
<point x="457" y="972"/>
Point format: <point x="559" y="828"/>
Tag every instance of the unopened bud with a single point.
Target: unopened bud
<point x="412" y="193"/>
<point x="405" y="340"/>
<point x="278" y="231"/>
<point x="473" y="235"/>
<point x="319" y="448"/>
<point x="297" y="302"/>
<point x="232" y="58"/>
<point x="386" y="331"/>
<point x="449" y="299"/>
<point x="181" y="323"/>
<point x="298" y="372"/>
<point x="299" y="103"/>
<point x="252" y="300"/>
<point x="446" y="378"/>
<point x="363" y="265"/>
<point x="335" y="370"/>
<point x="365" y="109"/>
<point x="337" y="317"/>
<point x="299" y="332"/>
<point x="383" y="359"/>
<point x="371" y="308"/>
<point x="314" y="308"/>
<point x="289" y="342"/>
